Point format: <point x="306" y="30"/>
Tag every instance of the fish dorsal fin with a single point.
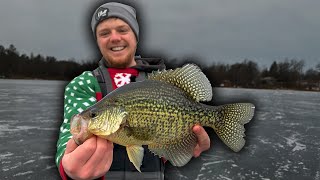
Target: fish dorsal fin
<point x="114" y="117"/>
<point x="189" y="78"/>
<point x="179" y="152"/>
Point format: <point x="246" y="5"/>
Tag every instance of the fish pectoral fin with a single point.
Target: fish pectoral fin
<point x="135" y="154"/>
<point x="178" y="153"/>
<point x="114" y="117"/>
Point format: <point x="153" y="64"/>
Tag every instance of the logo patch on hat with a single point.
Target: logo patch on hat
<point x="102" y="13"/>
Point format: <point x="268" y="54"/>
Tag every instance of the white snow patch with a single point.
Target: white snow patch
<point x="16" y="165"/>
<point x="293" y="141"/>
<point x="264" y="141"/>
<point x="5" y="169"/>
<point x="317" y="177"/>
<point x="28" y="162"/>
<point x="23" y="173"/>
<point x="299" y="147"/>
<point x="50" y="167"/>
<point x="224" y="177"/>
<point x="279" y="145"/>
<point x="20" y="100"/>
<point x="278" y="117"/>
<point x="215" y="162"/>
<point x="46" y="157"/>
<point x="5" y="155"/>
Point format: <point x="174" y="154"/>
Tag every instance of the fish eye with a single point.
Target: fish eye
<point x="92" y="114"/>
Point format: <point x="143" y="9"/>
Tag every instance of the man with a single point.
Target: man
<point x="116" y="30"/>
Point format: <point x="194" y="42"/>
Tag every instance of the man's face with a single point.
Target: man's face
<point x="117" y="42"/>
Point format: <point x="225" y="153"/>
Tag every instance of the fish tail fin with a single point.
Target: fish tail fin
<point x="229" y="123"/>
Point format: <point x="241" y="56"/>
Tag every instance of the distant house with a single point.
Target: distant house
<point x="270" y="81"/>
<point x="313" y="86"/>
<point x="226" y="83"/>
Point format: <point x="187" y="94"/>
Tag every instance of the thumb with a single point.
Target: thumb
<point x="71" y="146"/>
<point x="202" y="137"/>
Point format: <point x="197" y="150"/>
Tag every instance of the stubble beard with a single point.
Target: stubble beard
<point x="120" y="62"/>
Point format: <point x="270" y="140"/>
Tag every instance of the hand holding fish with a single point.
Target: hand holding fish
<point x="203" y="140"/>
<point x="90" y="160"/>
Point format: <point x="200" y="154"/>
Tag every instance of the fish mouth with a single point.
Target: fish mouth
<point x="79" y="129"/>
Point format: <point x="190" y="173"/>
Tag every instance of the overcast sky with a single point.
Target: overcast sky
<point x="209" y="30"/>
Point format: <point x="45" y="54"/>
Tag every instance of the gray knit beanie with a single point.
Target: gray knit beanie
<point x="118" y="10"/>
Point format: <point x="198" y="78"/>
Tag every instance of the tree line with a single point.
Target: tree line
<point x="286" y="74"/>
<point x="14" y="65"/>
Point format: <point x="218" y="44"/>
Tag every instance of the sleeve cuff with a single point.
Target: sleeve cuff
<point x="62" y="172"/>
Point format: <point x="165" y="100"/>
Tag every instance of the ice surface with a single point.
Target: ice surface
<point x="282" y="140"/>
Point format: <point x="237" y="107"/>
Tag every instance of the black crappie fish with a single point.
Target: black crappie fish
<point x="160" y="112"/>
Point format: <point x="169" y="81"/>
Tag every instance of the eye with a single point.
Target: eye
<point x="104" y="33"/>
<point x="123" y="30"/>
<point x="92" y="114"/>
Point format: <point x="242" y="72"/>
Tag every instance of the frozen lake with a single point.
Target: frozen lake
<point x="283" y="139"/>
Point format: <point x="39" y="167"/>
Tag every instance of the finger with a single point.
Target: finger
<point x="107" y="159"/>
<point x="71" y="146"/>
<point x="97" y="156"/>
<point x="196" y="151"/>
<point x="196" y="129"/>
<point x="202" y="137"/>
<point x="108" y="156"/>
<point x="84" y="152"/>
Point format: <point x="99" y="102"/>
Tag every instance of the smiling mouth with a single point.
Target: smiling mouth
<point x="119" y="48"/>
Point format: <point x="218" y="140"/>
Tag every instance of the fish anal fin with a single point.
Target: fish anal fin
<point x="189" y="78"/>
<point x="178" y="153"/>
<point x="114" y="117"/>
<point x="135" y="154"/>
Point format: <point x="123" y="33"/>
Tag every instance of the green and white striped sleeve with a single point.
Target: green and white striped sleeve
<point x="79" y="94"/>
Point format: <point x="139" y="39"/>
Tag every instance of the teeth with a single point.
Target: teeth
<point x="117" y="48"/>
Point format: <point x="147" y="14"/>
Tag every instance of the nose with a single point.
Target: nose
<point x="115" y="36"/>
